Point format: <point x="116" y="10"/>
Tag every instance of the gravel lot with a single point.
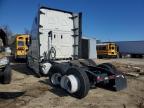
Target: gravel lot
<point x="28" y="91"/>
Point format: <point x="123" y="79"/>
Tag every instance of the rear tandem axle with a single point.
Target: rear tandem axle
<point x="78" y="76"/>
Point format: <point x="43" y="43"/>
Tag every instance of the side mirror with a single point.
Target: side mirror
<point x="28" y="41"/>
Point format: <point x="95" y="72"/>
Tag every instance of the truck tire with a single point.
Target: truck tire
<point x="109" y="67"/>
<point x="113" y="68"/>
<point x="92" y="62"/>
<point x="55" y="74"/>
<point x="88" y="62"/>
<point x="83" y="85"/>
<point x="6" y="78"/>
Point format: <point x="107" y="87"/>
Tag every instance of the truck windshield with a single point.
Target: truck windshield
<point x="20" y="43"/>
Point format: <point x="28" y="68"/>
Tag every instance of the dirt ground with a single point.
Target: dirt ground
<point x="28" y="91"/>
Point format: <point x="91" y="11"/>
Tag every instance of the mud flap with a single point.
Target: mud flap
<point x="120" y="83"/>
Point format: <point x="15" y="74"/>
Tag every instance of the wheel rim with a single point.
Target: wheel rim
<point x="70" y="83"/>
<point x="55" y="79"/>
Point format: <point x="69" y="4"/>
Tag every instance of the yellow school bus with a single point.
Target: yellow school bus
<point x="21" y="46"/>
<point x="107" y="50"/>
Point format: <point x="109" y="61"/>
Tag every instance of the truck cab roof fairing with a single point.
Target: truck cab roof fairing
<point x="43" y="7"/>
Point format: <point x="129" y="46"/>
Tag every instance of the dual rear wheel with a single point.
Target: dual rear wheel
<point x="75" y="80"/>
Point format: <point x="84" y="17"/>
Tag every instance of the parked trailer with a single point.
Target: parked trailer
<point x="55" y="51"/>
<point x="132" y="48"/>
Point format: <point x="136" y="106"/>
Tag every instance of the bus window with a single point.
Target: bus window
<point x="20" y="43"/>
<point x="112" y="48"/>
<point x="101" y="47"/>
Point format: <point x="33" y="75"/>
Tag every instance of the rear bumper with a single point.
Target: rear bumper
<point x="20" y="56"/>
<point x="115" y="82"/>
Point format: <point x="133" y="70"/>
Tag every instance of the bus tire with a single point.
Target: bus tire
<point x="83" y="79"/>
<point x="6" y="77"/>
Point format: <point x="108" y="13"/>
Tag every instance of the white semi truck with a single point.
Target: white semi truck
<point x="55" y="51"/>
